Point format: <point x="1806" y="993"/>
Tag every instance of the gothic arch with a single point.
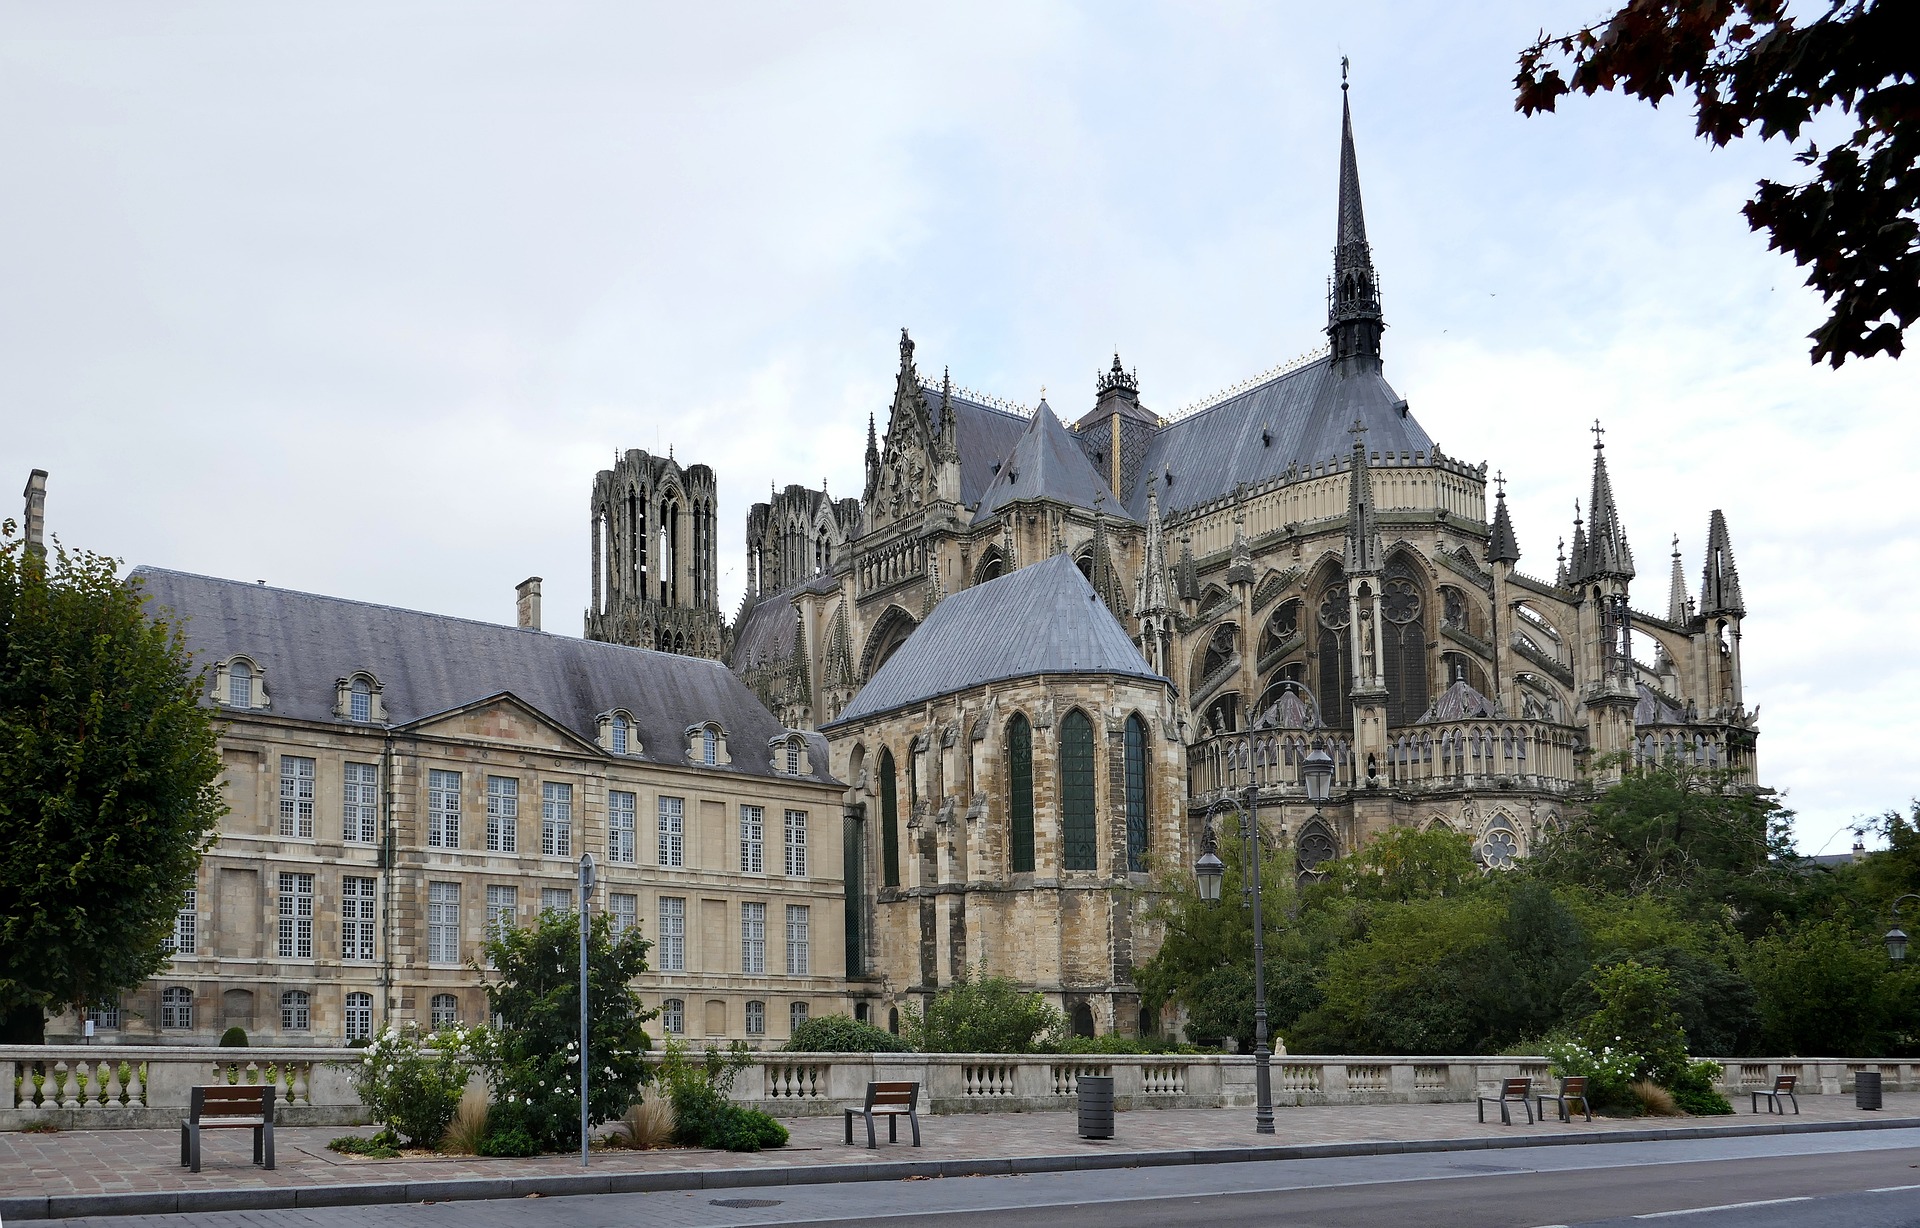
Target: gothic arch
<point x="1330" y="617"/>
<point x="1078" y="811"/>
<point x="1313" y="848"/>
<point x="1220" y="649"/>
<point x="1403" y="633"/>
<point x="993" y="565"/>
<point x="889" y="632"/>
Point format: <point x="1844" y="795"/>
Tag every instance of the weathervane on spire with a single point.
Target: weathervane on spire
<point x="1343" y="72"/>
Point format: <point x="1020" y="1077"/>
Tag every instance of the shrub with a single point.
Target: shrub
<point x="1113" y="1042"/>
<point x="842" y="1034"/>
<point x="1637" y="1015"/>
<point x="648" y="1124"/>
<point x="1609" y="1073"/>
<point x="702" y="1114"/>
<point x="382" y="1146"/>
<point x="234" y="1038"/>
<point x="409" y="1088"/>
<point x="984" y="1014"/>
<point x="468" y="1129"/>
<point x="1694" y="1090"/>
<point x="1655" y="1100"/>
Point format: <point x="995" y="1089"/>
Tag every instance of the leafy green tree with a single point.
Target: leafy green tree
<point x="1825" y="990"/>
<point x="1718" y="1007"/>
<point x="1405" y="864"/>
<point x="109" y="771"/>
<point x="842" y="1034"/>
<point x="983" y="1014"/>
<point x="533" y="1065"/>
<point x="1753" y="65"/>
<point x="1637" y="1012"/>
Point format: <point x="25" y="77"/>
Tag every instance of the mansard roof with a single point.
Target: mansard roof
<point x="1045" y="463"/>
<point x="984" y="436"/>
<point x="432" y="663"/>
<point x="1043" y="619"/>
<point x="1296" y="419"/>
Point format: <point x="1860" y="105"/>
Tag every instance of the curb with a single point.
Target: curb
<point x="282" y="1198"/>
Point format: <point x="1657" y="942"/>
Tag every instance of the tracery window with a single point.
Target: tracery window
<point x="1220" y="651"/>
<point x="1335" y="616"/>
<point x="1499" y="849"/>
<point x="889" y="824"/>
<point x="1314" y="849"/>
<point x="1136" y="782"/>
<point x="1020" y="799"/>
<point x="1405" y="645"/>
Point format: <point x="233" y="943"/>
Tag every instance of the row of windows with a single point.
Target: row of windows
<point x="360" y="803"/>
<point x="673" y="1017"/>
<point x="1078" y="829"/>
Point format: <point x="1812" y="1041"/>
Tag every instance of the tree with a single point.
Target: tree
<point x="983" y="1014"/>
<point x="1751" y="65"/>
<point x="1827" y="991"/>
<point x="109" y="771"/>
<point x="1406" y="864"/>
<point x="533" y="1064"/>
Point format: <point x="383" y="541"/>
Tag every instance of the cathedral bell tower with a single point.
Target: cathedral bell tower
<point x="1354" y="322"/>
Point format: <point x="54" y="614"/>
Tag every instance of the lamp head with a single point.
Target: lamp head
<point x="1896" y="941"/>
<point x="1210" y="872"/>
<point x="1319" y="773"/>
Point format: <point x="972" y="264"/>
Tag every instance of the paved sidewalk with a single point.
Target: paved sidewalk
<point x="70" y="1166"/>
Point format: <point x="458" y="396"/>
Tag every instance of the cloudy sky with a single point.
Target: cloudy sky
<point x="355" y="298"/>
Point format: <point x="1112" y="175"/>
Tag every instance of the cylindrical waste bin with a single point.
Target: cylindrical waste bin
<point x="1096" y="1106"/>
<point x="1866" y="1089"/>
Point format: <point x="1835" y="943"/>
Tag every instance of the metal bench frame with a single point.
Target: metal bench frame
<point x="1572" y="1087"/>
<point x="1511" y="1091"/>
<point x="1783" y="1085"/>
<point x="891" y="1100"/>
<point x="228" y="1107"/>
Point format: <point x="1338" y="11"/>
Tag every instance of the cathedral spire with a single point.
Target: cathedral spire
<point x="1677" y="599"/>
<point x="1354" y="322"/>
<point x="1607" y="551"/>
<point x="1720" y="585"/>
<point x="1363" y="527"/>
<point x="1502" y="545"/>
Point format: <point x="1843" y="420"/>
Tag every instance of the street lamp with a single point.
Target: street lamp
<point x="1209" y="870"/>
<point x="1896" y="938"/>
<point x="1319" y="774"/>
<point x="587" y="877"/>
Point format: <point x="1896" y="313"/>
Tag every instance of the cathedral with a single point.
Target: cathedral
<point x="1046" y="651"/>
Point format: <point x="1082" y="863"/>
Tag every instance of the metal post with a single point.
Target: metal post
<point x="1262" y="1054"/>
<point x="586" y="885"/>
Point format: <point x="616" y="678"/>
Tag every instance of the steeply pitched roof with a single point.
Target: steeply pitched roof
<point x="1502" y="545"/>
<point x="1607" y="552"/>
<point x="1046" y="463"/>
<point x="1043" y="619"/>
<point x="1720" y="583"/>
<point x="431" y="663"/>
<point x="1459" y="702"/>
<point x="1299" y="418"/>
<point x="765" y="635"/>
<point x="984" y="436"/>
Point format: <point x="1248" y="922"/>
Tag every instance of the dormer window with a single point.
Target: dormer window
<point x="789" y="754"/>
<point x="357" y="698"/>
<point x="617" y="733"/>
<point x="793" y="758"/>
<point x="239" y="683"/>
<point x="707" y="745"/>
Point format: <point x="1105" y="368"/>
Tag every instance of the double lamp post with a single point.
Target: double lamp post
<point x="1210" y="872"/>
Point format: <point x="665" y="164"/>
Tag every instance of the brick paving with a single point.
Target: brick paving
<point x="126" y="1161"/>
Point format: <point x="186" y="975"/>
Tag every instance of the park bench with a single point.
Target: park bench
<point x="229" y="1108"/>
<point x="1573" y="1087"/>
<point x="1782" y="1086"/>
<point x="891" y="1101"/>
<point x="1511" y="1091"/>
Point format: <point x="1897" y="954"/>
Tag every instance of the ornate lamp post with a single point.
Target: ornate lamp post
<point x="1896" y="938"/>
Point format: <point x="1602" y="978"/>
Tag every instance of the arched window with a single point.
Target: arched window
<point x="1136" y="777"/>
<point x="796" y="1015"/>
<point x="1404" y="644"/>
<point x="673" y="1016"/>
<point x="756" y="1018"/>
<point x="889" y="824"/>
<point x="240" y="685"/>
<point x="1076" y="792"/>
<point x="1020" y="793"/>
<point x="793" y="757"/>
<point x="1335" y="614"/>
<point x="176" y="1007"/>
<point x="1082" y="1020"/>
<point x="709" y="746"/>
<point x="359" y="1016"/>
<point x="1500" y="849"/>
<point x="1314" y="850"/>
<point x="893" y="1020"/>
<point x="619" y="733"/>
<point x="360" y="700"/>
<point x="295" y="1011"/>
<point x="443" y="1011"/>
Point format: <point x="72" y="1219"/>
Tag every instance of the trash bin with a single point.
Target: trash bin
<point x="1866" y="1089"/>
<point x="1096" y="1106"/>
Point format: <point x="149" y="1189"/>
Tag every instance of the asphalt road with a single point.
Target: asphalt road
<point x="1868" y="1180"/>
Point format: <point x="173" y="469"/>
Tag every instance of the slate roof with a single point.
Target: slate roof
<point x="766" y="634"/>
<point x="1460" y="702"/>
<point x="1305" y="414"/>
<point x="431" y="663"/>
<point x="1043" y="619"/>
<point x="985" y="435"/>
<point x="1047" y="462"/>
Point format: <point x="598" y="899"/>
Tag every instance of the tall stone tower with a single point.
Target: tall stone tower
<point x="655" y="574"/>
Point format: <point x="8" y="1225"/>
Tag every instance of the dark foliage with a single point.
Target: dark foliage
<point x="843" y="1034"/>
<point x="1751" y="66"/>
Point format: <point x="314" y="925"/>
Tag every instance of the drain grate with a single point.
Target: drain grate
<point x="744" y="1202"/>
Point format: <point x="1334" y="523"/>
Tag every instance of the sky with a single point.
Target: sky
<point x="356" y="298"/>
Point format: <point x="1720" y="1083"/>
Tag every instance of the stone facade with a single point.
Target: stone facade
<point x="655" y="568"/>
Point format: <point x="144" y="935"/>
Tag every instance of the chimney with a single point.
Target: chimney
<point x="527" y="603"/>
<point x="36" y="519"/>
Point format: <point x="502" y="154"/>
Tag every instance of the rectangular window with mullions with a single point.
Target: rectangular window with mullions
<point x="799" y="940"/>
<point x="360" y="803"/>
<point x="296" y="797"/>
<point x="503" y="814"/>
<point x="296" y="916"/>
<point x="186" y="926"/>
<point x="443" y="923"/>
<point x="443" y="810"/>
<point x="356" y="918"/>
<point x="796" y="844"/>
<point x="753" y="938"/>
<point x="673" y="831"/>
<point x="620" y="824"/>
<point x="556" y="820"/>
<point x="752" y="840"/>
<point x="673" y="934"/>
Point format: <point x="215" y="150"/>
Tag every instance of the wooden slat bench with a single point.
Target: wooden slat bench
<point x="223" y="1107"/>
<point x="1512" y="1091"/>
<point x="1782" y="1086"/>
<point x="1573" y="1087"/>
<point x="891" y="1101"/>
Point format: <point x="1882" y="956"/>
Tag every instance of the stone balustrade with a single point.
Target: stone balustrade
<point x="129" y="1086"/>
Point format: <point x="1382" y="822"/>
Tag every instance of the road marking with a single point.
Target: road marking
<point x="1894" y="1189"/>
<point x="1728" y="1206"/>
